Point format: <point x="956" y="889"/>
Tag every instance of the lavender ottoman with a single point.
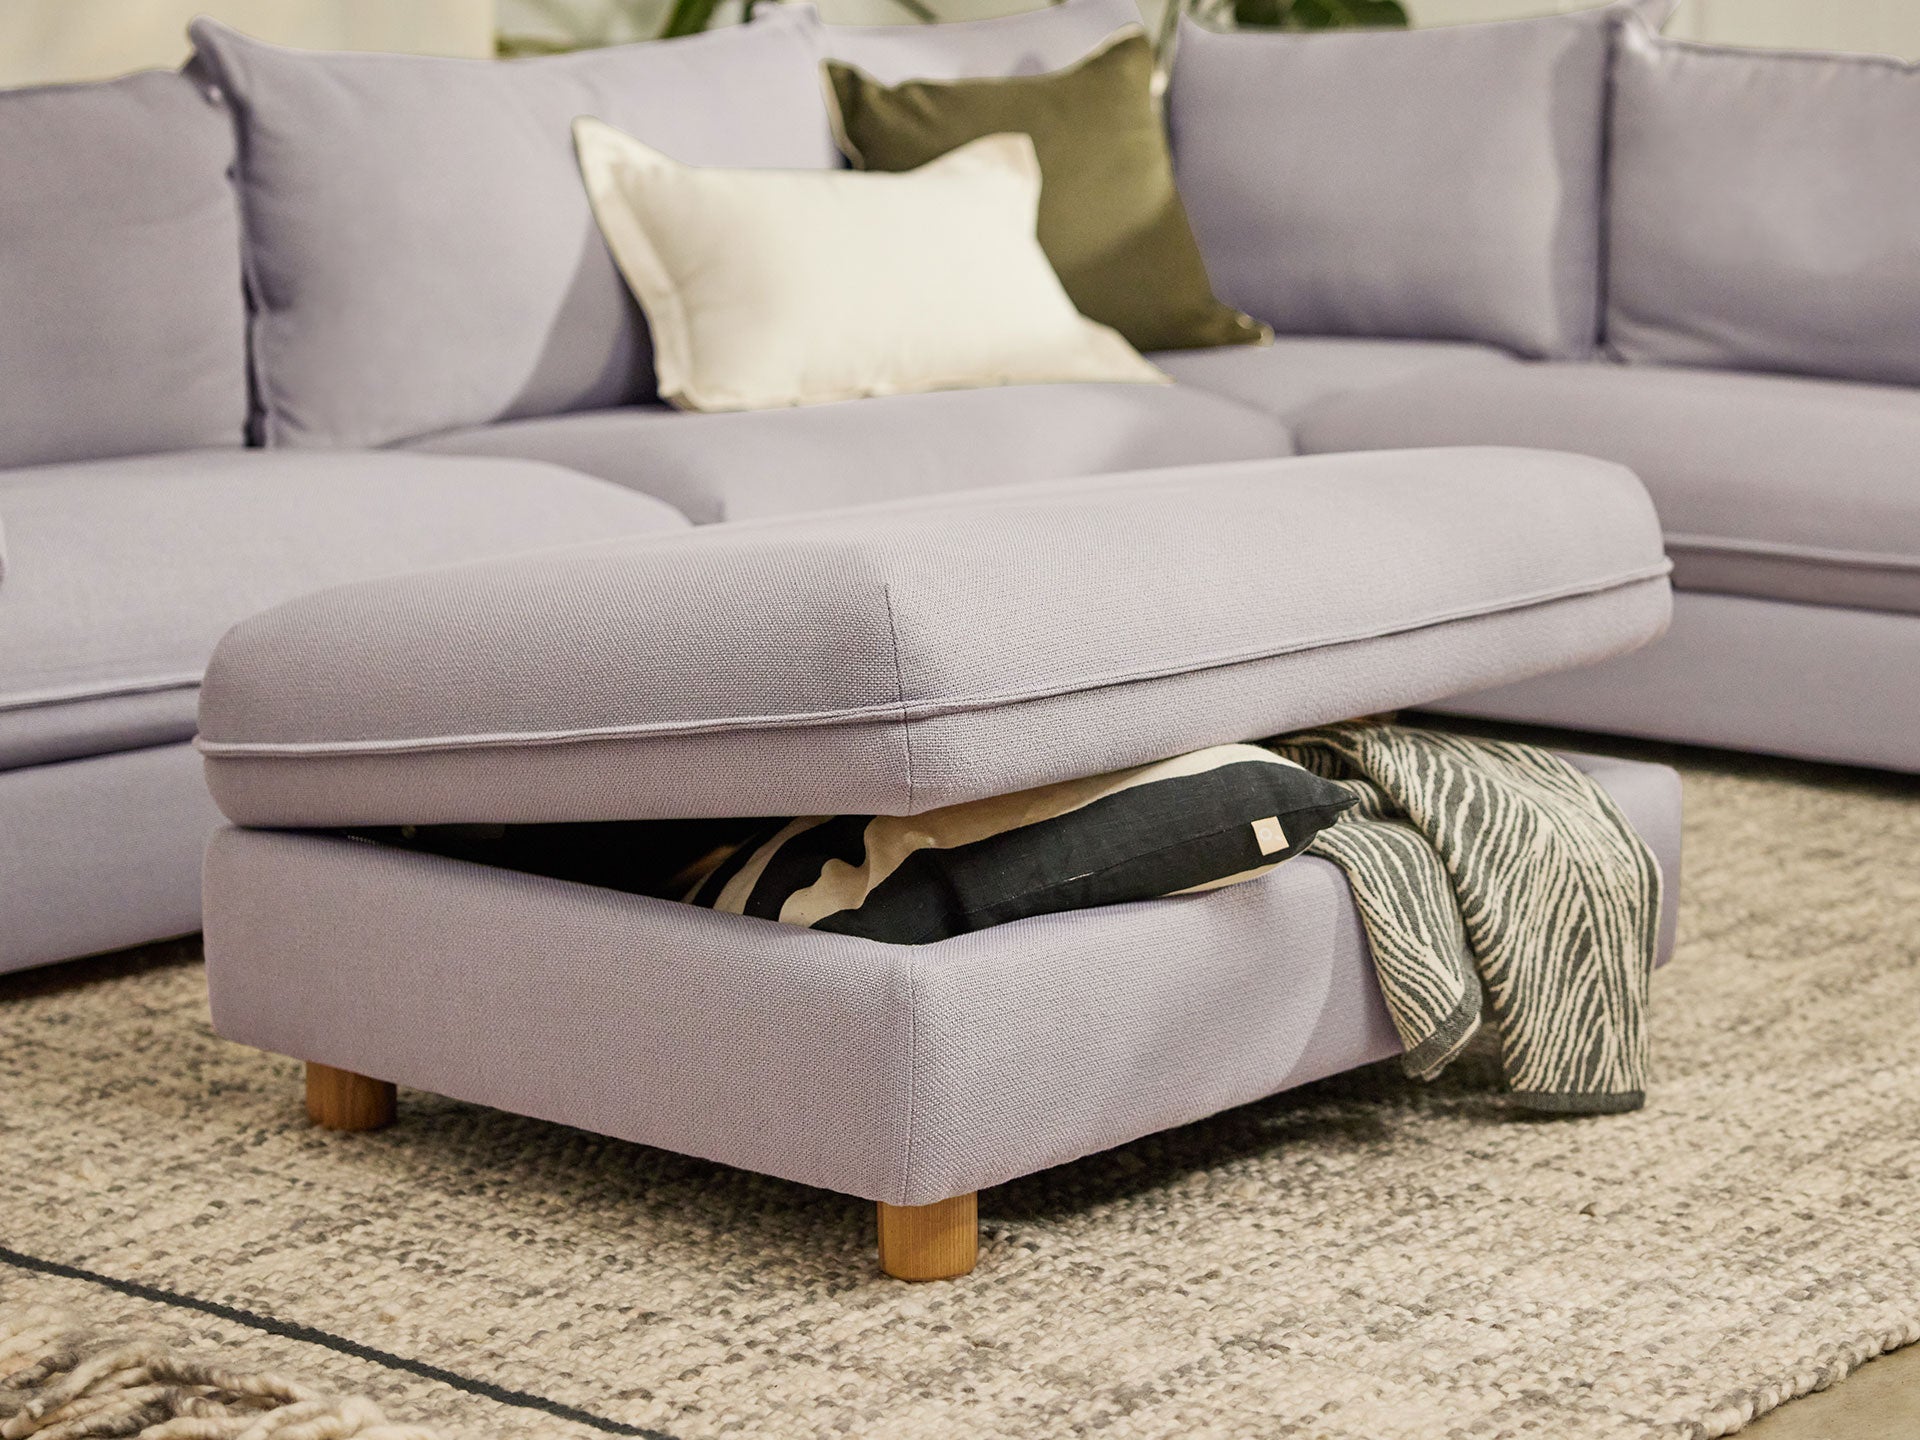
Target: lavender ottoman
<point x="888" y="659"/>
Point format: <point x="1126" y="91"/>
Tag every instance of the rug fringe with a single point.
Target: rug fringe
<point x="1833" y="1365"/>
<point x="63" y="1380"/>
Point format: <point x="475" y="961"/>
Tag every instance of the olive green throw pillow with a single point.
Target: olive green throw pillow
<point x="1110" y="219"/>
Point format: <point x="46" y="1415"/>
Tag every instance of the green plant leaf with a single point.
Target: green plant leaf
<point x="688" y="17"/>
<point x="1318" y="14"/>
<point x="518" y="47"/>
<point x="1261" y="14"/>
<point x="1387" y="14"/>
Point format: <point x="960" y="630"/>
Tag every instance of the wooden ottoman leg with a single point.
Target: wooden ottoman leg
<point x="930" y="1242"/>
<point x="342" y="1100"/>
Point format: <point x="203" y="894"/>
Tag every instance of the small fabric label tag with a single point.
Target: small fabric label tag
<point x="1271" y="835"/>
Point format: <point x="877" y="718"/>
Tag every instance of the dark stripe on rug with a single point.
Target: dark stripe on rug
<point x="290" y="1330"/>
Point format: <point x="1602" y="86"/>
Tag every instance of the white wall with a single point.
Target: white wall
<point x="615" y="20"/>
<point x="44" y="40"/>
<point x="1889" y="27"/>
<point x="48" y="40"/>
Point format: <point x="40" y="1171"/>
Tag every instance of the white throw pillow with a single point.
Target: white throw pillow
<point x="777" y="287"/>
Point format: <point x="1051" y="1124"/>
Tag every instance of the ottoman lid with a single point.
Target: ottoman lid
<point x="895" y="658"/>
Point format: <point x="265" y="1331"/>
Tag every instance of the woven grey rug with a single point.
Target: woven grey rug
<point x="1368" y="1258"/>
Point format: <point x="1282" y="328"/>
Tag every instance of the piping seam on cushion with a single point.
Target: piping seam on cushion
<point x="893" y="710"/>
<point x="1810" y="554"/>
<point x="37" y="700"/>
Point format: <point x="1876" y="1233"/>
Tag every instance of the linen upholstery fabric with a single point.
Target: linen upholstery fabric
<point x="898" y="658"/>
<point x="896" y="1073"/>
<point x="1028" y="43"/>
<point x="1766" y="210"/>
<point x="767" y="289"/>
<point x="421" y="254"/>
<point x="125" y="322"/>
<point x="1439" y="184"/>
<point x="750" y="464"/>
<point x="1217" y="817"/>
<point x="1287" y="377"/>
<point x="1111" y="221"/>
<point x="1779" y="487"/>
<point x="126" y="572"/>
<point x="100" y="854"/>
<point x="1813" y="681"/>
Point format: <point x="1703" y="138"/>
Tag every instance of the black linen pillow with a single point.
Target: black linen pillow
<point x="1215" y="817"/>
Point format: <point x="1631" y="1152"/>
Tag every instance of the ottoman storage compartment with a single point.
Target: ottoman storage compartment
<point x="886" y="660"/>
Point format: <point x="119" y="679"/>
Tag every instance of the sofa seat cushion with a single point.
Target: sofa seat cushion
<point x="1783" y="488"/>
<point x="122" y="574"/>
<point x="1819" y="682"/>
<point x="1289" y="375"/>
<point x="903" y="657"/>
<point x="746" y="466"/>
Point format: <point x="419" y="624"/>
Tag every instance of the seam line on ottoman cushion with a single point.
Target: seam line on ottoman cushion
<point x="918" y="710"/>
<point x="900" y="691"/>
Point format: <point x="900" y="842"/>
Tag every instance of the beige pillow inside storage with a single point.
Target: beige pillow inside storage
<point x="766" y="288"/>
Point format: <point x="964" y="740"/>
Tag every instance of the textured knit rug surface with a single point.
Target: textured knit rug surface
<point x="1370" y="1257"/>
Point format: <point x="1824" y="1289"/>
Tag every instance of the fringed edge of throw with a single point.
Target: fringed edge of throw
<point x="61" y="1379"/>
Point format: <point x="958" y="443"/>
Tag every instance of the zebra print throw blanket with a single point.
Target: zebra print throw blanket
<point x="1489" y="869"/>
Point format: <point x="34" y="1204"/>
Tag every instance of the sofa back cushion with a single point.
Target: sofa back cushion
<point x="1766" y="211"/>
<point x="1030" y="43"/>
<point x="122" y="317"/>
<point x="1438" y="184"/>
<point x="420" y="250"/>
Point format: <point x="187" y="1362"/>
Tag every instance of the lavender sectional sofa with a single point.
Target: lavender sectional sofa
<point x="1740" y="260"/>
<point x="288" y="321"/>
